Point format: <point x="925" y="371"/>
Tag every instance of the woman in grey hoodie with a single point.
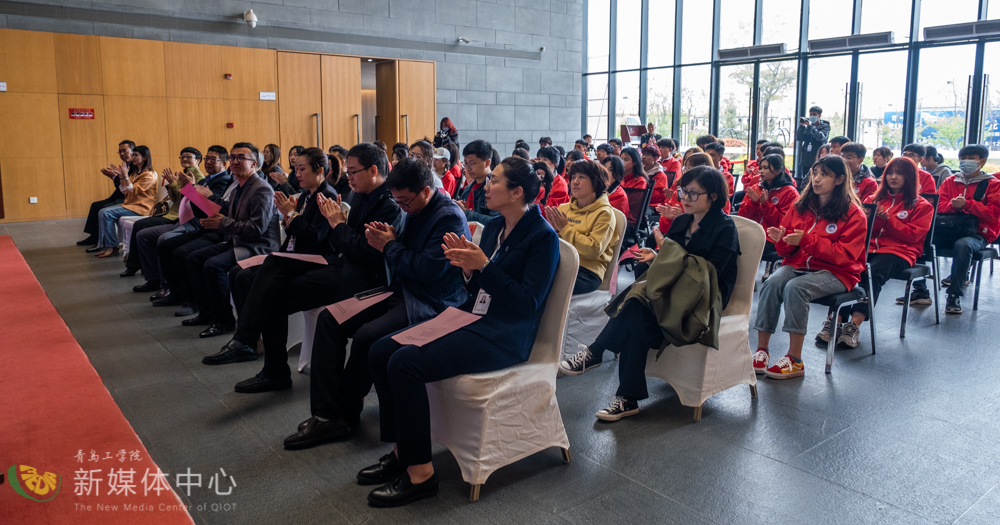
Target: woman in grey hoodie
<point x="933" y="162"/>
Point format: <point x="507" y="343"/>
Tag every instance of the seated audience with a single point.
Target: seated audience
<point x="718" y="153"/>
<point x="398" y="154"/>
<point x="639" y="321"/>
<point x="864" y="184"/>
<point x="424" y="283"/>
<point x="824" y="151"/>
<point x="880" y="157"/>
<point x="546" y="178"/>
<point x="616" y="173"/>
<point x="616" y="146"/>
<point x="769" y="200"/>
<point x="581" y="146"/>
<point x="655" y="174"/>
<point x="587" y="222"/>
<point x="751" y="174"/>
<point x="916" y="153"/>
<point x="424" y="152"/>
<point x="116" y="197"/>
<point x="934" y="162"/>
<point x="559" y="192"/>
<point x="836" y="143"/>
<point x="822" y="241"/>
<point x="478" y="156"/>
<point x="673" y="206"/>
<point x="604" y="150"/>
<point x="635" y="176"/>
<point x="454" y="167"/>
<point x="139" y="189"/>
<point x="511" y="276"/>
<point x="443" y="171"/>
<point x="671" y="163"/>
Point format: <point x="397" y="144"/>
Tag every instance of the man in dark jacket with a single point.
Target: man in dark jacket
<point x="423" y="284"/>
<point x="116" y="197"/>
<point x="352" y="267"/>
<point x="811" y="134"/>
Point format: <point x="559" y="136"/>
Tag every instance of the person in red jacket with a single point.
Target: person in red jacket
<point x="751" y="175"/>
<point x="635" y="177"/>
<point x="925" y="181"/>
<point x="558" y="192"/>
<point x="822" y="241"/>
<point x="717" y="151"/>
<point x="902" y="221"/>
<point x="654" y="172"/>
<point x="442" y="169"/>
<point x="616" y="172"/>
<point x="769" y="200"/>
<point x="864" y="183"/>
<point x="671" y="164"/>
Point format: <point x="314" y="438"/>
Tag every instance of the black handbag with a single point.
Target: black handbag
<point x="952" y="227"/>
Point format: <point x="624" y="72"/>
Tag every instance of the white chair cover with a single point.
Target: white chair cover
<point x="477" y="231"/>
<point x="125" y="231"/>
<point x="586" y="317"/>
<point x="493" y="419"/>
<point x="698" y="372"/>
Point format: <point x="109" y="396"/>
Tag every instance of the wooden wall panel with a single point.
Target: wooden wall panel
<point x="341" y="100"/>
<point x="84" y="183"/>
<point x="27" y="61"/>
<point x="254" y="70"/>
<point x="132" y="67"/>
<point x="40" y="177"/>
<point x="299" y="99"/>
<point x="194" y="70"/>
<point x="82" y="137"/>
<point x="254" y="121"/>
<point x="418" y="99"/>
<point x="142" y="120"/>
<point x="192" y="122"/>
<point x="78" y="64"/>
<point x="30" y="124"/>
<point x="387" y="121"/>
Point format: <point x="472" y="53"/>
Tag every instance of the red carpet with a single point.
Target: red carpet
<point x="53" y="405"/>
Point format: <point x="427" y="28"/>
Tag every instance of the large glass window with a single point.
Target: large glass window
<point x="662" y="15"/>
<point x="627" y="105"/>
<point x="696" y="34"/>
<point x="781" y="23"/>
<point x="945" y="12"/>
<point x="695" y="86"/>
<point x="660" y="99"/>
<point x="942" y="95"/>
<point x="990" y="122"/>
<point x="883" y="86"/>
<point x="598" y="34"/>
<point x="736" y="24"/>
<point x="597" y="106"/>
<point x="887" y="15"/>
<point x="777" y="122"/>
<point x="629" y="35"/>
<point x="827" y="88"/>
<point x="830" y="18"/>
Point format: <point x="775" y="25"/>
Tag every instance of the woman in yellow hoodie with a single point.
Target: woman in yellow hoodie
<point x="587" y="222"/>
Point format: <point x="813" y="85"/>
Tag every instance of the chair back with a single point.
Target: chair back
<point x="636" y="207"/>
<point x="929" y="250"/>
<point x="477" y="231"/>
<point x="620" y="221"/>
<point x="870" y="210"/>
<point x="752" y="239"/>
<point x="552" y="330"/>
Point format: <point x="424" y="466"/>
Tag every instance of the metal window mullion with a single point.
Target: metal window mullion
<point x="613" y="65"/>
<point x="643" y="60"/>
<point x="758" y="22"/>
<point x="803" y="76"/>
<point x="676" y="109"/>
<point x="714" y="81"/>
<point x="856" y="18"/>
<point x="851" y="116"/>
<point x="912" y="72"/>
<point x="975" y="102"/>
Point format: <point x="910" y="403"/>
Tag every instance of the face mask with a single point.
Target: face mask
<point x="968" y="167"/>
<point x="812" y="120"/>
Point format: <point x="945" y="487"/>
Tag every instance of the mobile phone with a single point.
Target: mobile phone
<point x="371" y="293"/>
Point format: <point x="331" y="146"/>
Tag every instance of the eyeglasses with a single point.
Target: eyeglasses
<point x="689" y="195"/>
<point x="188" y="157"/>
<point x="212" y="158"/>
<point x="405" y="204"/>
<point x="355" y="172"/>
<point x="242" y="158"/>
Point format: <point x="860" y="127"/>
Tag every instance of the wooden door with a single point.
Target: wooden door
<point x="300" y="100"/>
<point x="387" y="104"/>
<point x="194" y="70"/>
<point x="418" y="101"/>
<point x="341" y="101"/>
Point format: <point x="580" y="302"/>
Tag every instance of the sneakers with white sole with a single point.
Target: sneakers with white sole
<point x="581" y="362"/>
<point x="620" y="407"/>
<point x="824" y="335"/>
<point x="760" y="359"/>
<point x="850" y="335"/>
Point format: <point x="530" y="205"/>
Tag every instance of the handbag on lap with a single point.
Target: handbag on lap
<point x="951" y="227"/>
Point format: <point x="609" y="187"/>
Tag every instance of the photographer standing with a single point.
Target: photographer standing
<point x="448" y="134"/>
<point x="811" y="134"/>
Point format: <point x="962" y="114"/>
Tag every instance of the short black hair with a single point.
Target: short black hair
<point x="410" y="174"/>
<point x="581" y="142"/>
<point x="426" y="148"/>
<point x="857" y="148"/>
<point x="339" y="150"/>
<point x="221" y="151"/>
<point x="253" y="149"/>
<point x="189" y="149"/>
<point x="974" y="149"/>
<point x="369" y="155"/>
<point x="545" y="141"/>
<point x="521" y="152"/>
<point x="480" y="148"/>
<point x="615" y="141"/>
<point x="715" y="146"/>
<point x="549" y="153"/>
<point x="773" y="150"/>
<point x="762" y="141"/>
<point x="588" y="135"/>
<point x="667" y="143"/>
<point x="817" y="109"/>
<point x="616" y="166"/>
<point x="915" y="148"/>
<point x="574" y="156"/>
<point x="131" y="145"/>
<point x="840" y="141"/>
<point x="711" y="180"/>
<point x="523" y="145"/>
<point x="606" y="148"/>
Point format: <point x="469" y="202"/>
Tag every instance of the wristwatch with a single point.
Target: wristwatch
<point x="483" y="267"/>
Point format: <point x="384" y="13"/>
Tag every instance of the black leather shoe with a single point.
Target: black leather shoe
<point x="163" y="292"/>
<point x="233" y="352"/>
<point x="94" y="249"/>
<point x="89" y="241"/>
<point x="148" y="286"/>
<point x="129" y="272"/>
<point x="186" y="310"/>
<point x="400" y="491"/>
<point x="167" y="300"/>
<point x="261" y="383"/>
<point x="218" y="329"/>
<point x="201" y="320"/>
<point x="317" y="432"/>
<point x="386" y="470"/>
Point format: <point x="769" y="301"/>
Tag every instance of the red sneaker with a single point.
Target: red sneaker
<point x="760" y="358"/>
<point x="786" y="368"/>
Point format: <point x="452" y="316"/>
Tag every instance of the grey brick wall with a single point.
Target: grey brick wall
<point x="490" y="88"/>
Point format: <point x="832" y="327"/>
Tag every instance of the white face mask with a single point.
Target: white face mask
<point x="813" y="119"/>
<point x="968" y="167"/>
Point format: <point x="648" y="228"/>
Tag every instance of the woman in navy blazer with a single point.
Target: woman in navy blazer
<point x="513" y="272"/>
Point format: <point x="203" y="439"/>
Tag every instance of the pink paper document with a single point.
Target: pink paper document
<point x="199" y="200"/>
<point x="184" y="213"/>
<point x="445" y="323"/>
<point x="348" y="308"/>
<point x="256" y="260"/>
<point x="307" y="257"/>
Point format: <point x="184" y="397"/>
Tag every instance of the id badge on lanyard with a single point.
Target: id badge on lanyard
<point x="483" y="299"/>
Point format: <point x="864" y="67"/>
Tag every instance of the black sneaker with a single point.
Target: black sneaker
<point x="581" y="362"/>
<point x="954" y="305"/>
<point x="917" y="298"/>
<point x="620" y="407"/>
<point x="946" y="282"/>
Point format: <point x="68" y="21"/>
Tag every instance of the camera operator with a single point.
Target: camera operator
<point x="448" y="134"/>
<point x="811" y="134"/>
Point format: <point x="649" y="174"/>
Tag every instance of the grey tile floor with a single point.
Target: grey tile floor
<point x="906" y="436"/>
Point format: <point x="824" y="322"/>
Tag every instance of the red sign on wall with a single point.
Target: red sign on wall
<point x="86" y="113"/>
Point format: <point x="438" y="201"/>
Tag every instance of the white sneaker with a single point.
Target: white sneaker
<point x="850" y="335"/>
<point x="581" y="362"/>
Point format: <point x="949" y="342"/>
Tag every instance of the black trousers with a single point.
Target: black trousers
<point x="208" y="273"/>
<point x="631" y="334"/>
<point x="281" y="287"/>
<point x="337" y="390"/>
<point x="401" y="372"/>
<point x="586" y="281"/>
<point x="134" y="262"/>
<point x="174" y="251"/>
<point x="90" y="227"/>
<point x="884" y="266"/>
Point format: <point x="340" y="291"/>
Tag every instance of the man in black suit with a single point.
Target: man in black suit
<point x="116" y="197"/>
<point x="248" y="224"/>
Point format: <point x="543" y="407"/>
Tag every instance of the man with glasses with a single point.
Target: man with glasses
<point x="423" y="284"/>
<point x="248" y="224"/>
<point x="116" y="197"/>
<point x="478" y="156"/>
<point x="354" y="267"/>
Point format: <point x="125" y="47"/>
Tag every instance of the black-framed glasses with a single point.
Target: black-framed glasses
<point x="355" y="172"/>
<point x="242" y="158"/>
<point x="405" y="204"/>
<point x="213" y="158"/>
<point x="689" y="195"/>
<point x="188" y="157"/>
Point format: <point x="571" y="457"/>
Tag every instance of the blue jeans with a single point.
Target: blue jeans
<point x="107" y="223"/>
<point x="793" y="291"/>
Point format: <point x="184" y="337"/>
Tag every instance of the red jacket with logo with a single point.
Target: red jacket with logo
<point x="631" y="181"/>
<point x="659" y="195"/>
<point x="925" y="182"/>
<point x="903" y="233"/>
<point x="751" y="175"/>
<point x="672" y="164"/>
<point x="559" y="194"/>
<point x="619" y="200"/>
<point x="838" y="247"/>
<point x="866" y="188"/>
<point x="988" y="211"/>
<point x="768" y="213"/>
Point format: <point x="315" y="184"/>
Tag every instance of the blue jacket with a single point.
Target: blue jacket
<point x="416" y="261"/>
<point x="518" y="279"/>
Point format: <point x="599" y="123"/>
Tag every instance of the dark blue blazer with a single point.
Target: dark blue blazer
<point x="518" y="279"/>
<point x="429" y="281"/>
